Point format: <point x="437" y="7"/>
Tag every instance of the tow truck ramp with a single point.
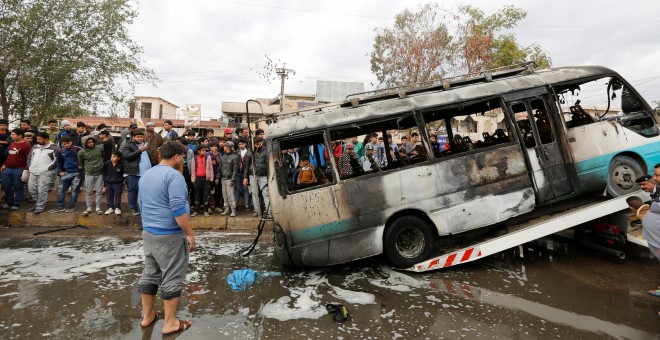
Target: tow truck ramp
<point x="574" y="212"/>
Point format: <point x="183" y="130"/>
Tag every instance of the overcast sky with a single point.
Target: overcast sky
<point x="209" y="51"/>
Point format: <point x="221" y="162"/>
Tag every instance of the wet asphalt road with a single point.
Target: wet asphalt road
<point x="61" y="286"/>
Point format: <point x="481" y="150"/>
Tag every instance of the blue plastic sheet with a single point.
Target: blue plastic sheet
<point x="242" y="279"/>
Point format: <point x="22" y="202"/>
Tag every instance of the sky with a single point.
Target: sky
<point x="209" y="51"/>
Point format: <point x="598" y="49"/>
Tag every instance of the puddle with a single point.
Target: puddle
<point x="87" y="289"/>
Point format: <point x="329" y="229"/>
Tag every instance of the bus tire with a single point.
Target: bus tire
<point x="407" y="241"/>
<point x="621" y="176"/>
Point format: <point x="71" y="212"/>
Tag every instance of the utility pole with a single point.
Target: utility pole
<point x="283" y="72"/>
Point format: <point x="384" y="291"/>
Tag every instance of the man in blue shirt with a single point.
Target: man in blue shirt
<point x="167" y="237"/>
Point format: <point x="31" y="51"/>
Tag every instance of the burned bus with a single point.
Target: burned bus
<point x="517" y="138"/>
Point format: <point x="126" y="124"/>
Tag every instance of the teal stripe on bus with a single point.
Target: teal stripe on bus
<point x="596" y="167"/>
<point x="331" y="229"/>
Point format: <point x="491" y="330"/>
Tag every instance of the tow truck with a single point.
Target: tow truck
<point x="539" y="223"/>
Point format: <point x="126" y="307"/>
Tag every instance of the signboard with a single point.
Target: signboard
<point x="192" y="115"/>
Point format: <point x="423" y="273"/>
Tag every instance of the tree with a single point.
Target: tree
<point x="480" y="47"/>
<point x="415" y="50"/>
<point x="66" y="56"/>
<point x="420" y="47"/>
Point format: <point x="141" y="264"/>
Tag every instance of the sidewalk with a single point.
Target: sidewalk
<point x="23" y="217"/>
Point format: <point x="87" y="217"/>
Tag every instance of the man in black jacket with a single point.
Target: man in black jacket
<point x="136" y="162"/>
<point x="260" y="184"/>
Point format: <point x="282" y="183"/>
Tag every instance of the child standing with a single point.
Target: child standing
<point x="228" y="173"/>
<point x="306" y="176"/>
<point x="67" y="168"/>
<point x="90" y="160"/>
<point x="216" y="187"/>
<point x="113" y="176"/>
<point x="201" y="174"/>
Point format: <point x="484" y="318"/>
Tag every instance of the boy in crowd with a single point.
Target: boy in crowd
<point x="90" y="160"/>
<point x="435" y="146"/>
<point x="136" y="163"/>
<point x="358" y="148"/>
<point x="77" y="135"/>
<point x="348" y="163"/>
<point x="245" y="158"/>
<point x="201" y="173"/>
<point x="260" y="183"/>
<point x="66" y="130"/>
<point x="306" y="175"/>
<point x="12" y="170"/>
<point x="368" y="161"/>
<point x="42" y="167"/>
<point x="26" y="126"/>
<point x="228" y="135"/>
<point x="229" y="171"/>
<point x="28" y="138"/>
<point x="170" y="133"/>
<point x="52" y="131"/>
<point x="113" y="177"/>
<point x="67" y="168"/>
<point x="108" y="145"/>
<point x="216" y="186"/>
<point x="210" y="135"/>
<point x="192" y="144"/>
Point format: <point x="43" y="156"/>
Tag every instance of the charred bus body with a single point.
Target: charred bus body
<point x="518" y="138"/>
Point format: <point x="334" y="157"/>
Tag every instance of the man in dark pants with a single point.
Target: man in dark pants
<point x="167" y="237"/>
<point x="136" y="162"/>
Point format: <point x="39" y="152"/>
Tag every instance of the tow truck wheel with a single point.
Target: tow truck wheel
<point x="621" y="176"/>
<point x="408" y="241"/>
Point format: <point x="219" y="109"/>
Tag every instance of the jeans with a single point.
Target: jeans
<point x="39" y="185"/>
<point x="260" y="184"/>
<point x="69" y="180"/>
<point x="239" y="189"/>
<point x="93" y="183"/>
<point x="13" y="186"/>
<point x="228" y="193"/>
<point x="132" y="181"/>
<point x="113" y="194"/>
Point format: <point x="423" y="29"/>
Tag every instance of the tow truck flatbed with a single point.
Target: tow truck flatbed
<point x="541" y="222"/>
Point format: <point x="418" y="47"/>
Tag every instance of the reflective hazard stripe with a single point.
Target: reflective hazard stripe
<point x="461" y="256"/>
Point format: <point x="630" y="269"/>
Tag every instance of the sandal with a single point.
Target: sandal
<point x="183" y="325"/>
<point x="655" y="292"/>
<point x="157" y="315"/>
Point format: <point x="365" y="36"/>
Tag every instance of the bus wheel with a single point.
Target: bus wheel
<point x="408" y="241"/>
<point x="621" y="176"/>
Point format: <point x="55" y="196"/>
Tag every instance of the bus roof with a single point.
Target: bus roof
<point x="386" y="102"/>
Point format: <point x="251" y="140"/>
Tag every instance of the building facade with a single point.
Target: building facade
<point x="152" y="108"/>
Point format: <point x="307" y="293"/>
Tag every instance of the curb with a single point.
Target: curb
<point x="17" y="219"/>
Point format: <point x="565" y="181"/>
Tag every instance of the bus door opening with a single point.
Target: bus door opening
<point x="546" y="162"/>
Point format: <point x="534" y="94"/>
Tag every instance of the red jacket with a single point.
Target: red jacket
<point x="208" y="168"/>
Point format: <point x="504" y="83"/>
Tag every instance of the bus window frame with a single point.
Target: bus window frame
<point x="413" y="114"/>
<point x="278" y="170"/>
<point x="450" y="135"/>
<point x="553" y="87"/>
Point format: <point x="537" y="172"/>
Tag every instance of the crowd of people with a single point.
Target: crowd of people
<point x="69" y="158"/>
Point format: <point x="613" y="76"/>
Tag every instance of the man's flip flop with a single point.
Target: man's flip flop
<point x="157" y="316"/>
<point x="183" y="325"/>
<point x="655" y="292"/>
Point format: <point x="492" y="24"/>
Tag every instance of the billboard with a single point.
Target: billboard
<point x="192" y="115"/>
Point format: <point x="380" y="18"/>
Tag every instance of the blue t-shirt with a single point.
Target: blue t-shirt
<point x="145" y="163"/>
<point x="163" y="196"/>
